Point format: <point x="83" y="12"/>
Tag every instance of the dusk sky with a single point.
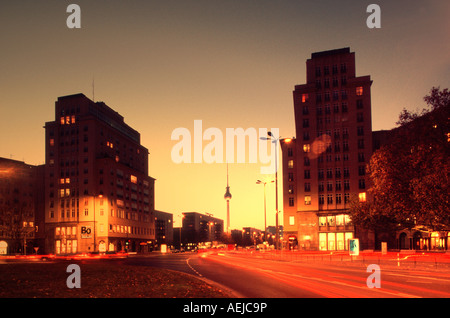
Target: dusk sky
<point x="229" y="63"/>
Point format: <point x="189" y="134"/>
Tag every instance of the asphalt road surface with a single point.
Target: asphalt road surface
<point x="248" y="276"/>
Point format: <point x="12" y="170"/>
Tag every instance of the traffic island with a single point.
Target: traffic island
<point x="100" y="280"/>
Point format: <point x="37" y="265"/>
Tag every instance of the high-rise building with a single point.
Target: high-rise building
<point x="98" y="195"/>
<point x="324" y="167"/>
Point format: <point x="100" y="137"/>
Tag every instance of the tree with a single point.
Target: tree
<point x="410" y="175"/>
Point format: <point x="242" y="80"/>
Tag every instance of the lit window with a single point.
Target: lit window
<point x="291" y="164"/>
<point x="305" y="98"/>
<point x="73" y="119"/>
<point x="133" y="179"/>
<point x="307" y="200"/>
<point x="52" y="142"/>
<point x="292" y="220"/>
<point x="359" y="91"/>
<point x="306" y="147"/>
<point x="362" y="197"/>
<point x="63" y="121"/>
<point x="67" y="120"/>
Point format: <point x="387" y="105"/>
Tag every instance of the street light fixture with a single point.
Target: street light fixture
<point x="265" y="220"/>
<point x="275" y="141"/>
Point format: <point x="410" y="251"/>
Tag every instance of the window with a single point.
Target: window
<point x="329" y="186"/>
<point x="291" y="220"/>
<point x="133" y="179"/>
<point x="359" y="117"/>
<point x="307" y="174"/>
<point x="306" y="135"/>
<point x="346" y="172"/>
<point x="360" y="130"/>
<point x="291" y="201"/>
<point x="362" y="170"/>
<point x="346" y="198"/>
<point x="290" y="152"/>
<point x="307" y="200"/>
<point x="305" y="123"/>
<point x="291" y="189"/>
<point x="359" y="104"/>
<point x="306" y="148"/>
<point x="359" y="91"/>
<point x="338" y="198"/>
<point x="290" y="164"/>
<point x="361" y="157"/>
<point x="318" y="73"/>
<point x="305" y="98"/>
<point x="331" y="220"/>
<point x="361" y="144"/>
<point x="346" y="185"/>
<point x="330" y="199"/>
<point x="307" y="187"/>
<point x="321" y="199"/>
<point x="320" y="173"/>
<point x="362" y="197"/>
<point x="305" y="110"/>
<point x="362" y="184"/>
<point x="306" y="161"/>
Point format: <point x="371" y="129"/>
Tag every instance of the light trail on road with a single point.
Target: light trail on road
<point x="331" y="281"/>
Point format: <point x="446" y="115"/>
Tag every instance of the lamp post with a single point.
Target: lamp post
<point x="95" y="224"/>
<point x="265" y="220"/>
<point x="275" y="141"/>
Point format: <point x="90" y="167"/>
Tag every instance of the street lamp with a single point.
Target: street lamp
<point x="265" y="223"/>
<point x="275" y="141"/>
<point x="95" y="224"/>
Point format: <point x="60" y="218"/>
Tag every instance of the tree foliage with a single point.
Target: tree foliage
<point x="410" y="175"/>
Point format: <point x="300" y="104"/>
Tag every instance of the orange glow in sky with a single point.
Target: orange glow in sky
<point x="232" y="64"/>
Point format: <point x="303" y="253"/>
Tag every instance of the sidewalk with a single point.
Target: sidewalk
<point x="403" y="259"/>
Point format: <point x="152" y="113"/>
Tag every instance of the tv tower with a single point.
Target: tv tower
<point x="227" y="197"/>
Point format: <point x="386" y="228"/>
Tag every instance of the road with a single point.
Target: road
<point x="248" y="276"/>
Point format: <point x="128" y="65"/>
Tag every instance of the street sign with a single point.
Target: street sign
<point x="354" y="246"/>
<point x="86" y="232"/>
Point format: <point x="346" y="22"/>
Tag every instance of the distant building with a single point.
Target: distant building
<point x="98" y="195"/>
<point x="200" y="228"/>
<point x="252" y="236"/>
<point x="21" y="207"/>
<point x="325" y="165"/>
<point x="163" y="228"/>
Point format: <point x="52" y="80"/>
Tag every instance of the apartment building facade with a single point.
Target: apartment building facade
<point x="98" y="195"/>
<point x="324" y="166"/>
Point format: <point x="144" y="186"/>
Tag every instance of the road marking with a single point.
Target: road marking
<point x="193" y="269"/>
